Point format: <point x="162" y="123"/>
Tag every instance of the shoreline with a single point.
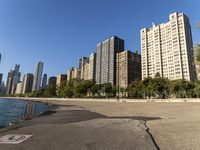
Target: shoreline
<point x="48" y="100"/>
<point x="14" y="125"/>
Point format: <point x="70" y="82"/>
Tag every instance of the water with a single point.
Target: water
<point x="12" y="110"/>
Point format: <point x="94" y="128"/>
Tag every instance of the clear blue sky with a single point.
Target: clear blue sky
<point x="59" y="32"/>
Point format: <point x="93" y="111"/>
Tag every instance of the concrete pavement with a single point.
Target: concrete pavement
<point x="117" y="126"/>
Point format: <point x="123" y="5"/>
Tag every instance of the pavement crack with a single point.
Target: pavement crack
<point x="152" y="138"/>
<point x="116" y="123"/>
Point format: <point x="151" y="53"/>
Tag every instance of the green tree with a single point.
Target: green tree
<point x="182" y="89"/>
<point x="50" y="92"/>
<point x="136" y="89"/>
<point x="107" y="89"/>
<point x="96" y="90"/>
<point x="83" y="88"/>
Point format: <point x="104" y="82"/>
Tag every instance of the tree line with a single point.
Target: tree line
<point x="157" y="88"/>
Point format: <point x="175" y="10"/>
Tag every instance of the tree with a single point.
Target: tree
<point x="197" y="49"/>
<point x="160" y="86"/>
<point x="96" y="90"/>
<point x="50" y="92"/>
<point x="107" y="89"/>
<point x="182" y="89"/>
<point x="136" y="89"/>
<point x="83" y="88"/>
<point x="197" y="88"/>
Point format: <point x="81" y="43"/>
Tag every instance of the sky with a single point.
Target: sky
<point x="59" y="32"/>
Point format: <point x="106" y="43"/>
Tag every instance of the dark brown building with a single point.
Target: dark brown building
<point x="128" y="68"/>
<point x="52" y="82"/>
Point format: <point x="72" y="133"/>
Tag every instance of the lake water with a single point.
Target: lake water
<point x="12" y="110"/>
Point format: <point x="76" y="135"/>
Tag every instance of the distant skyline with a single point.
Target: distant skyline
<point x="59" y="32"/>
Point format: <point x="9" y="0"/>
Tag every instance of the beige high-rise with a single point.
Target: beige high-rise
<point x="168" y="49"/>
<point x="88" y="68"/>
<point x="60" y="78"/>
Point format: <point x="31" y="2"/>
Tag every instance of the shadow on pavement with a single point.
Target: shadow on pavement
<point x="63" y="114"/>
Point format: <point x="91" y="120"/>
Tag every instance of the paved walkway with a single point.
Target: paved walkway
<point x="112" y="126"/>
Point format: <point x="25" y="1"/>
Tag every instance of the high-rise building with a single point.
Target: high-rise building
<point x="69" y="74"/>
<point x="2" y="88"/>
<point x="1" y="84"/>
<point x="128" y="68"/>
<point x="16" y="78"/>
<point x="44" y="81"/>
<point x="27" y="83"/>
<point x="9" y="82"/>
<point x="60" y="78"/>
<point x="86" y="71"/>
<point x="82" y="63"/>
<point x="1" y="76"/>
<point x="106" y="60"/>
<point x="12" y="80"/>
<point x="52" y="82"/>
<point x="37" y="76"/>
<point x="167" y="49"/>
<point x="92" y="67"/>
<point x="19" y="88"/>
<point x="75" y="73"/>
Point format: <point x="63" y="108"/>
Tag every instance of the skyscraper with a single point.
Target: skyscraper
<point x="106" y="60"/>
<point x="1" y="76"/>
<point x="1" y="84"/>
<point x="52" y="82"/>
<point x="12" y="80"/>
<point x="60" y="78"/>
<point x="44" y="81"/>
<point x="167" y="49"/>
<point x="70" y="73"/>
<point x="128" y="68"/>
<point x="27" y="83"/>
<point x="16" y="78"/>
<point x="38" y="76"/>
<point x="82" y="63"/>
<point x="92" y="67"/>
<point x="19" y="88"/>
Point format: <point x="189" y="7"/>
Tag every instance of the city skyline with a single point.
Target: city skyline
<point x="88" y="45"/>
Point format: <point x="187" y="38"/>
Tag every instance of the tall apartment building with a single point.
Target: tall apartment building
<point x="88" y="68"/>
<point x="70" y="73"/>
<point x="16" y="78"/>
<point x="82" y="62"/>
<point x="106" y="60"/>
<point x="86" y="71"/>
<point x="128" y="68"/>
<point x="52" y="82"/>
<point x="27" y="83"/>
<point x="60" y="78"/>
<point x="38" y="76"/>
<point x="19" y="88"/>
<point x="1" y="77"/>
<point x="44" y="81"/>
<point x="12" y="80"/>
<point x="168" y="49"/>
<point x="75" y="73"/>
<point x="92" y="67"/>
